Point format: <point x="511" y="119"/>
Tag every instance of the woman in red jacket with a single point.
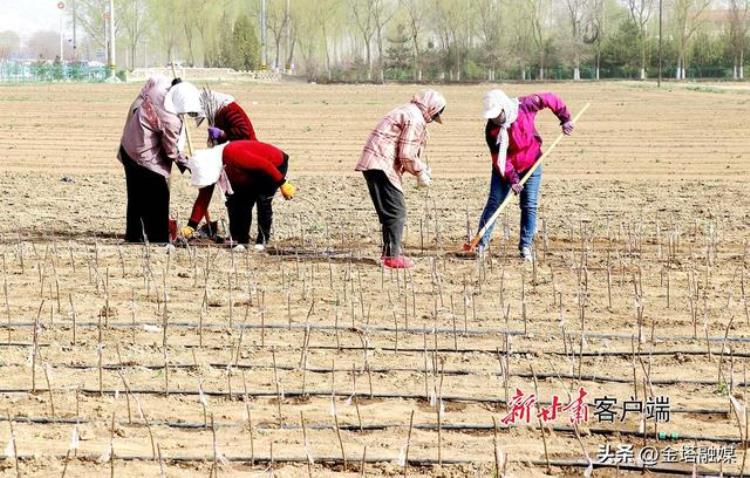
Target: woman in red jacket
<point x="230" y="123"/>
<point x="251" y="170"/>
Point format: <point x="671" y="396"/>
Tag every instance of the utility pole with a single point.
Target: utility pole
<point x="75" y="40"/>
<point x="61" y="7"/>
<point x="288" y="35"/>
<point x="62" y="58"/>
<point x="658" y="82"/>
<point x="263" y="34"/>
<point x="112" y="47"/>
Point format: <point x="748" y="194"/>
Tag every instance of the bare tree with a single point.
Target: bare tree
<point x="455" y="29"/>
<point x="539" y="16"/>
<point x="92" y="17"/>
<point x="687" y="18"/>
<point x="489" y="23"/>
<point x="577" y="11"/>
<point x="739" y="20"/>
<point x="326" y="16"/>
<point x="595" y="32"/>
<point x="278" y="18"/>
<point x="520" y="35"/>
<point x="640" y="14"/>
<point x="192" y="16"/>
<point x="165" y="14"/>
<point x="291" y="43"/>
<point x="364" y="18"/>
<point x="309" y="18"/>
<point x="382" y="13"/>
<point x="44" y="44"/>
<point x="416" y="13"/>
<point x="132" y="18"/>
<point x="10" y="44"/>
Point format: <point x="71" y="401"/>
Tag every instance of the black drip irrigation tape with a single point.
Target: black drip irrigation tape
<point x="371" y="427"/>
<point x="326" y="371"/>
<point x="354" y="461"/>
<point x="21" y="344"/>
<point x="465" y="350"/>
<point x="327" y="255"/>
<point x="369" y="329"/>
<point x="327" y="394"/>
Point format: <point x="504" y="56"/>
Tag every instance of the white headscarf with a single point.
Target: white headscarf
<point x="213" y="101"/>
<point x="222" y="99"/>
<point x="494" y="103"/>
<point x="183" y="98"/>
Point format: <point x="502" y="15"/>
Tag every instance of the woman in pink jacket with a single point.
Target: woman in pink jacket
<point x="515" y="145"/>
<point x="395" y="146"/>
<point x="153" y="139"/>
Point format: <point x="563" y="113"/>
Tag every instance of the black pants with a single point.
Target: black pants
<point x="148" y="203"/>
<point x="240" y="211"/>
<point x="240" y="208"/>
<point x="391" y="208"/>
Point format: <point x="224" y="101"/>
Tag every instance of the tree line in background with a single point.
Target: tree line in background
<point x="417" y="40"/>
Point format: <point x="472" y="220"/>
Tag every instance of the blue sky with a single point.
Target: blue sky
<point x="27" y="16"/>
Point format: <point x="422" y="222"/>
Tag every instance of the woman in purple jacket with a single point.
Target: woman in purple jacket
<point x="515" y="145"/>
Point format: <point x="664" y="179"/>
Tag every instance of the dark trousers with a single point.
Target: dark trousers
<point x="265" y="218"/>
<point x="391" y="208"/>
<point x="148" y="203"/>
<point x="240" y="211"/>
<point x="246" y="196"/>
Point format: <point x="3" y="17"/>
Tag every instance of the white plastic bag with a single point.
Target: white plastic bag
<point x="206" y="165"/>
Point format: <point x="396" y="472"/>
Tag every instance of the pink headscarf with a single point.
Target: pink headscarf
<point x="430" y="102"/>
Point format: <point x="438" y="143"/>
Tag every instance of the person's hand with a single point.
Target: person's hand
<point x="215" y="133"/>
<point x="515" y="181"/>
<point x="567" y="128"/>
<point x="424" y="179"/>
<point x="288" y="190"/>
<point x="187" y="232"/>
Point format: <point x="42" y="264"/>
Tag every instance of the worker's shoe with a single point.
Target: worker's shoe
<point x="398" y="262"/>
<point x="259" y="248"/>
<point x="526" y="254"/>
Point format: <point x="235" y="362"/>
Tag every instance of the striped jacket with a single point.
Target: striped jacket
<point x="397" y="142"/>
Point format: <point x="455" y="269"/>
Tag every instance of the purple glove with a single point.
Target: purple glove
<point x="567" y="128"/>
<point x="215" y="133"/>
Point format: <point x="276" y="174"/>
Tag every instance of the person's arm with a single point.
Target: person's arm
<point x="491" y="132"/>
<point x="259" y="164"/>
<point x="409" y="147"/>
<point x="539" y="101"/>
<point x="171" y="126"/>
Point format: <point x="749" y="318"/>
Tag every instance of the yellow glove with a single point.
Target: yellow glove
<point x="288" y="190"/>
<point x="187" y="232"/>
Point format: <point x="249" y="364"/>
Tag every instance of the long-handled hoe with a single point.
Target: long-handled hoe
<point x="469" y="248"/>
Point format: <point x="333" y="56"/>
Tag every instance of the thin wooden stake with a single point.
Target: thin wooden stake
<point x="408" y="444"/>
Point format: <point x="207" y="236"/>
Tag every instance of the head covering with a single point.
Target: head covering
<point x="430" y="102"/>
<point x="220" y="99"/>
<point x="212" y="102"/>
<point x="494" y="103"/>
<point x="183" y="98"/>
<point x="156" y="81"/>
